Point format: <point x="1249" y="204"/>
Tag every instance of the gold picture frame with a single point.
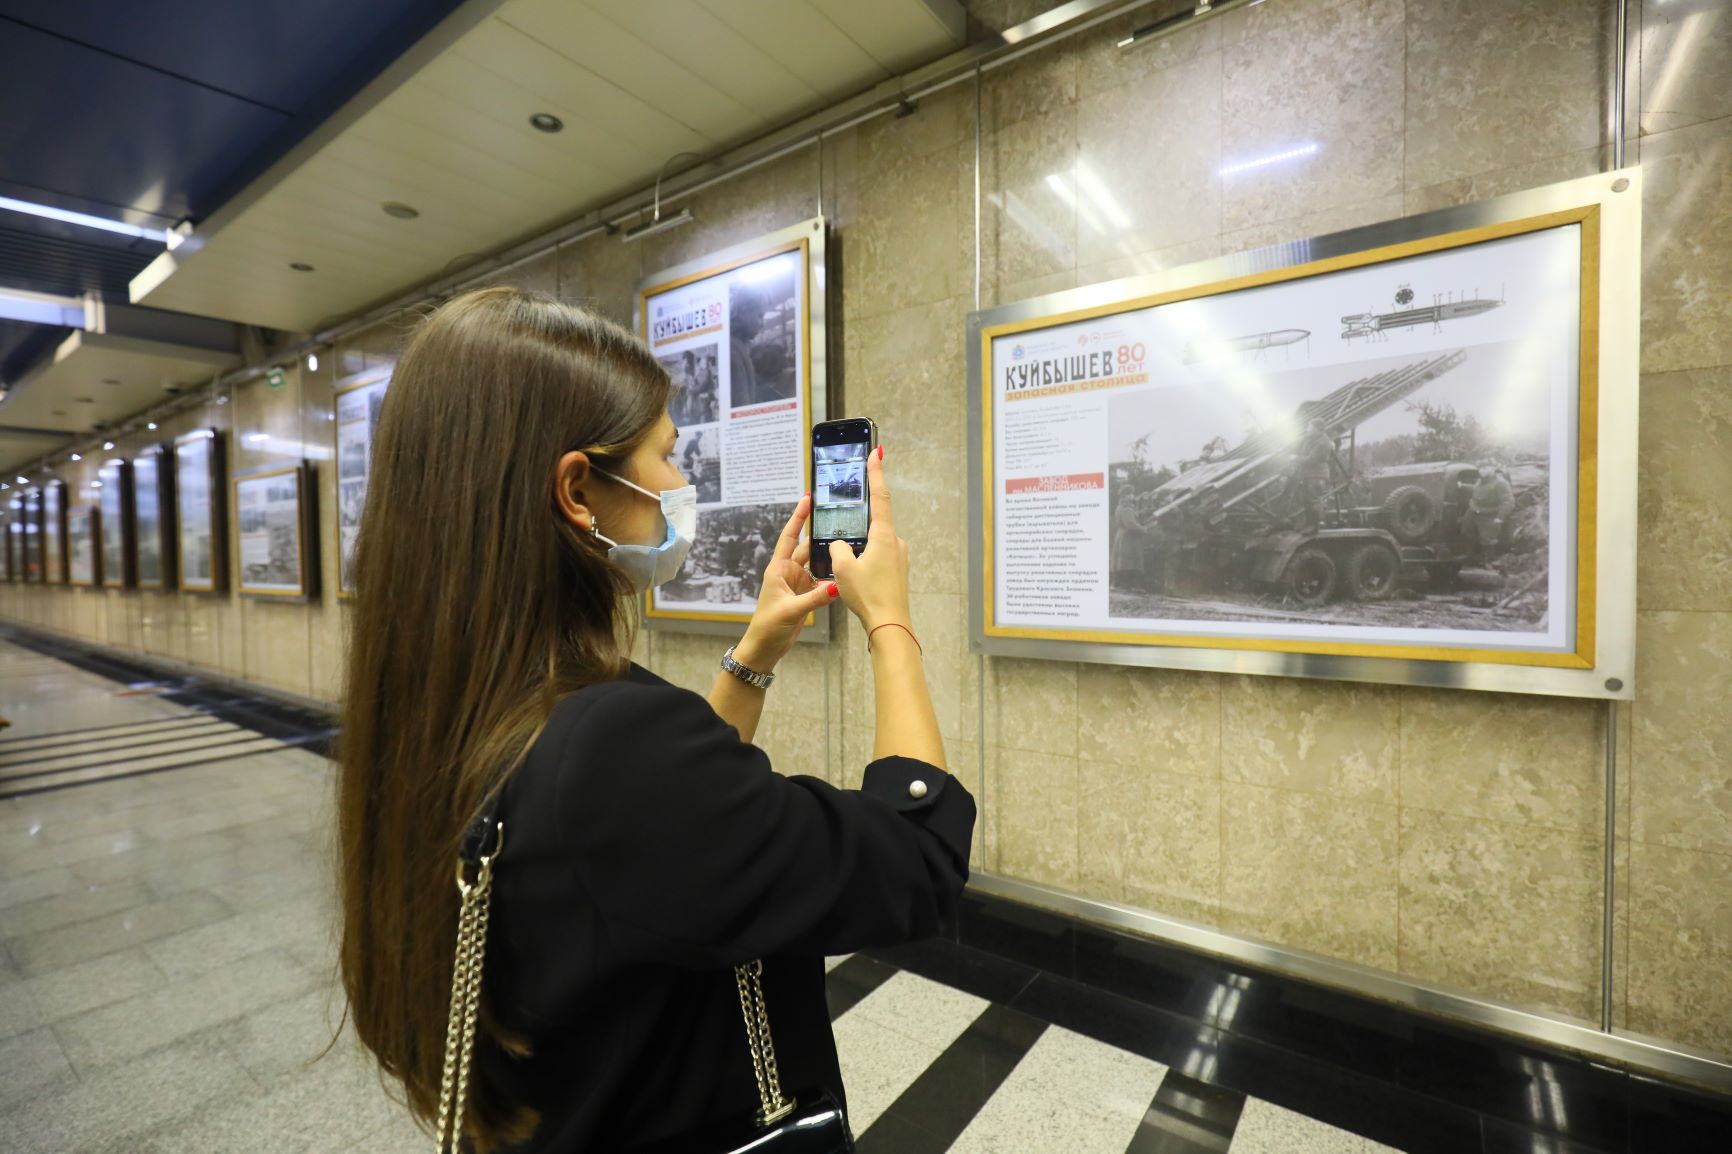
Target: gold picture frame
<point x="198" y="459"/>
<point x="119" y="554"/>
<point x="151" y="482"/>
<point x="257" y="557"/>
<point x="349" y="494"/>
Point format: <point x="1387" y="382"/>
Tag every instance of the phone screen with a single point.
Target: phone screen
<point x="841" y="509"/>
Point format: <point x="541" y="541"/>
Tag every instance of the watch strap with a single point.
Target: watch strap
<point x="749" y="676"/>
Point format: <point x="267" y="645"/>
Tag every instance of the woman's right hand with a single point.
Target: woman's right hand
<point x="874" y="585"/>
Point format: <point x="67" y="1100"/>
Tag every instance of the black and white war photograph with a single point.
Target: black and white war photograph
<point x="268" y="517"/>
<point x="694" y="398"/>
<point x="699" y="457"/>
<point x="763" y="330"/>
<point x="1411" y="491"/>
<point x="839" y="491"/>
<point x="726" y="564"/>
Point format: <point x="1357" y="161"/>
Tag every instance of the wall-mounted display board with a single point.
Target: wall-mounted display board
<point x="54" y="532"/>
<point x="84" y="544"/>
<point x="11" y="521"/>
<point x="152" y="518"/>
<point x="32" y="537"/>
<point x="742" y="334"/>
<point x="115" y="500"/>
<point x="359" y="399"/>
<point x="271" y="533"/>
<point x="198" y="499"/>
<point x="1404" y="453"/>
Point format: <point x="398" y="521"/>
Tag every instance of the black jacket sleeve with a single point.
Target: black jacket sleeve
<point x="697" y="854"/>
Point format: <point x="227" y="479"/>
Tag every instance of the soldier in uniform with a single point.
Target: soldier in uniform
<point x="1488" y="510"/>
<point x="1130" y="535"/>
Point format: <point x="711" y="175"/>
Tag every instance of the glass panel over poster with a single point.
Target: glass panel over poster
<point x="115" y="477"/>
<point x="198" y="528"/>
<point x="85" y="545"/>
<point x="1379" y="465"/>
<point x="270" y="527"/>
<point x="33" y="571"/>
<point x="359" y="399"/>
<point x="11" y="526"/>
<point x="741" y="332"/>
<point x="151" y="499"/>
<point x="54" y="532"/>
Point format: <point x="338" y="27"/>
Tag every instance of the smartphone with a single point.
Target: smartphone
<point x="841" y="499"/>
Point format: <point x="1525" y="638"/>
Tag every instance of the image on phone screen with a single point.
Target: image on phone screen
<point x="839" y="491"/>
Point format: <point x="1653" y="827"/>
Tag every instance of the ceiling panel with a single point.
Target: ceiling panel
<point x="103" y="377"/>
<point x="17" y="451"/>
<point x="636" y="84"/>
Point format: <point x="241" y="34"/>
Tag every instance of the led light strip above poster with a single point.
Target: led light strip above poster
<point x="1404" y="453"/>
<point x="742" y="334"/>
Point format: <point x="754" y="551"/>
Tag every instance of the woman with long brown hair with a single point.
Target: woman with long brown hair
<point x="523" y="494"/>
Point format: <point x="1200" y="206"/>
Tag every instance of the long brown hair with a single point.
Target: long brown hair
<point x="478" y="606"/>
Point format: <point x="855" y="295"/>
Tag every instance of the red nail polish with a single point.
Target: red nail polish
<point x="833" y="590"/>
<point x="880" y="452"/>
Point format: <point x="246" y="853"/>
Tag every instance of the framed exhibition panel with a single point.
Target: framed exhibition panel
<point x="32" y="569"/>
<point x="152" y="519"/>
<point x="358" y="401"/>
<point x="198" y="498"/>
<point x="10" y="522"/>
<point x="54" y="532"/>
<point x="84" y="545"/>
<point x="271" y="533"/>
<point x="115" y="500"/>
<point x="742" y="334"/>
<point x="1404" y="453"/>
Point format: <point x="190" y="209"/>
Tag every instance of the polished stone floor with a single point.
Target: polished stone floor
<point x="166" y="972"/>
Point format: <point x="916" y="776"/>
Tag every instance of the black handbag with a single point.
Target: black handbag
<point x="810" y="1123"/>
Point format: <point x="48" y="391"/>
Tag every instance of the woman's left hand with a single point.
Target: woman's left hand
<point x="788" y="594"/>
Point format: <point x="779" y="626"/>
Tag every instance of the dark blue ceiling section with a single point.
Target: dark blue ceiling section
<point x="156" y="111"/>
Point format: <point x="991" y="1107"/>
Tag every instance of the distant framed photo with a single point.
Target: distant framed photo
<point x="359" y="400"/>
<point x="271" y="531"/>
<point x="10" y="521"/>
<point x="85" y="544"/>
<point x="197" y="511"/>
<point x="115" y="500"/>
<point x="152" y="516"/>
<point x="32" y="537"/>
<point x="54" y="532"/>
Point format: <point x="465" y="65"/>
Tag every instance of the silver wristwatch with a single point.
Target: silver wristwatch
<point x="750" y="677"/>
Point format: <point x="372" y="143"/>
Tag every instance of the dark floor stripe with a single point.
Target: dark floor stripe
<point x="950" y="1092"/>
<point x="95" y="732"/>
<point x="852" y="980"/>
<point x="1188" y="1117"/>
<point x="123" y="745"/>
<point x="213" y="742"/>
<point x="313" y="741"/>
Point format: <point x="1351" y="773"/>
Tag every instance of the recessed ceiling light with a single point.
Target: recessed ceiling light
<point x="301" y="266"/>
<point x="150" y="425"/>
<point x="400" y="210"/>
<point x="77" y="457"/>
<point x="546" y="122"/>
<point x="107" y="445"/>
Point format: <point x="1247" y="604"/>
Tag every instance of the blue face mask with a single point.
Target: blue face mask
<point x="650" y="565"/>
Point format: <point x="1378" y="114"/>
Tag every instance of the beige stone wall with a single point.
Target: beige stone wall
<point x="1455" y="838"/>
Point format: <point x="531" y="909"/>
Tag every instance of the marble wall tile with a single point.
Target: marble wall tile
<point x="1032" y="705"/>
<point x="1684" y="554"/>
<point x="907" y="247"/>
<point x="1681" y="945"/>
<point x="277" y="645"/>
<point x="1503" y="757"/>
<point x="1336" y="218"/>
<point x="1032" y="805"/>
<point x="601" y="273"/>
<point x="1032" y="85"/>
<point x="1686" y="264"/>
<point x="1323" y="737"/>
<point x="901" y="368"/>
<point x="1324" y="74"/>
<point x="1156" y="260"/>
<point x="1489" y="84"/>
<point x="1506" y="910"/>
<point x="1162" y="720"/>
<point x="761" y="200"/>
<point x="799" y="689"/>
<point x="1681" y="776"/>
<point x="1534" y="173"/>
<point x="924" y="484"/>
<point x="1029" y="208"/>
<point x="1102" y="65"/>
<point x="1686" y="63"/>
<point x="1148" y="159"/>
<point x="940" y="121"/>
<point x="1310" y="871"/>
<point x="1150" y="838"/>
<point x="941" y="622"/>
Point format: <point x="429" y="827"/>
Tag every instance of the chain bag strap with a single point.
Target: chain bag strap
<point x="482" y="844"/>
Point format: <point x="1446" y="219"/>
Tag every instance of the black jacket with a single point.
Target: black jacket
<point x="647" y="851"/>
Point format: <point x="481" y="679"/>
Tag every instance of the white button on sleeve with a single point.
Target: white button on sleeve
<point x="917" y="790"/>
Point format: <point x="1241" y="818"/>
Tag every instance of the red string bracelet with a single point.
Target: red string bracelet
<point x="896" y="625"/>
